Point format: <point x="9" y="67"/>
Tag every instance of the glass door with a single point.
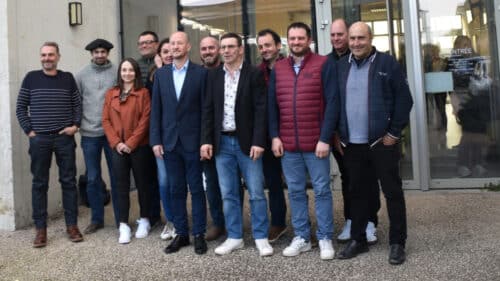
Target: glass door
<point x="245" y="17"/>
<point x="386" y="20"/>
<point x="460" y="64"/>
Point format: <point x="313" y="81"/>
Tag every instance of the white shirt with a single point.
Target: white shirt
<point x="230" y="90"/>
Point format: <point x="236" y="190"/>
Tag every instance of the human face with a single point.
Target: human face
<point x="338" y="37"/>
<point x="268" y="49"/>
<point x="99" y="56"/>
<point x="165" y="54"/>
<point x="127" y="73"/>
<point x="147" y="45"/>
<point x="49" y="58"/>
<point x="360" y="40"/>
<point x="230" y="51"/>
<point x="298" y="41"/>
<point x="179" y="45"/>
<point x="209" y="51"/>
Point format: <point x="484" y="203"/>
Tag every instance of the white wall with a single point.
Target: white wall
<point x="26" y="24"/>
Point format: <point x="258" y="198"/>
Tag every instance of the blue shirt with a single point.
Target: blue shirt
<point x="179" y="75"/>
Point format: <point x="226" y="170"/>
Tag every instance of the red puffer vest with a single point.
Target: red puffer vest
<point x="300" y="102"/>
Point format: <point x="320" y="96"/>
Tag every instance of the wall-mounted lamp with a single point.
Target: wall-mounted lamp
<point x="75" y="13"/>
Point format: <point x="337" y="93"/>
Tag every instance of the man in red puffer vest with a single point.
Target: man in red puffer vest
<point x="301" y="124"/>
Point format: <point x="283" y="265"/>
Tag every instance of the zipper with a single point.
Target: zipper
<point x="295" y="109"/>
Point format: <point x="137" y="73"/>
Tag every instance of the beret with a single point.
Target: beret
<point x="99" y="43"/>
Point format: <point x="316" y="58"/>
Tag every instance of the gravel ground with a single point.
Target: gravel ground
<point x="452" y="235"/>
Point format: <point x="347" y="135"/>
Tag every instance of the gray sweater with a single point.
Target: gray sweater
<point x="94" y="81"/>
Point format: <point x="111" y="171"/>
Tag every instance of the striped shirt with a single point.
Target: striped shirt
<point x="48" y="103"/>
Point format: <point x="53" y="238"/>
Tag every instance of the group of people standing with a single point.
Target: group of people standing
<point x="171" y="121"/>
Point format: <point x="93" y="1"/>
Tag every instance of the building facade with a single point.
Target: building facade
<point x="448" y="48"/>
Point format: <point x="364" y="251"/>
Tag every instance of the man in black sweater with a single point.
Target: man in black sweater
<point x="49" y="112"/>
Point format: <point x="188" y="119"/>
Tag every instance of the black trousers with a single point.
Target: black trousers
<point x="140" y="161"/>
<point x="360" y="160"/>
<point x="373" y="187"/>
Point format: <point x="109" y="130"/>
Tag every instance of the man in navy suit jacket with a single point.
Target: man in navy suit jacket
<point x="178" y="91"/>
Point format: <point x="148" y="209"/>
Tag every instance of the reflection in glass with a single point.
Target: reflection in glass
<point x="463" y="121"/>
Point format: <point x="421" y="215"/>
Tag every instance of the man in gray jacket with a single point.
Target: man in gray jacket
<point x="93" y="82"/>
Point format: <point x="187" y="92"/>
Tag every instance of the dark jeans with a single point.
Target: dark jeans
<point x="214" y="196"/>
<point x="373" y="187"/>
<point x="274" y="184"/>
<point x="140" y="162"/>
<point x="40" y="150"/>
<point x="92" y="148"/>
<point x="183" y="169"/>
<point x="359" y="159"/>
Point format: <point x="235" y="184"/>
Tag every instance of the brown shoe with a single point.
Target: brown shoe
<point x="93" y="227"/>
<point x="275" y="232"/>
<point x="215" y="233"/>
<point x="40" y="238"/>
<point x="74" y="233"/>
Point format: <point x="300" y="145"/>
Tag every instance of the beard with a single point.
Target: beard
<point x="300" y="53"/>
<point x="210" y="60"/>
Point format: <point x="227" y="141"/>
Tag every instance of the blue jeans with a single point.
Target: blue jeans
<point x="40" y="150"/>
<point x="163" y="187"/>
<point x="214" y="196"/>
<point x="92" y="148"/>
<point x="154" y="192"/>
<point x="228" y="159"/>
<point x="183" y="169"/>
<point x="274" y="184"/>
<point x="295" y="167"/>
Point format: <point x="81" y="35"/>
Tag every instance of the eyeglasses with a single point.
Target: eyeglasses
<point x="229" y="47"/>
<point x="148" y="42"/>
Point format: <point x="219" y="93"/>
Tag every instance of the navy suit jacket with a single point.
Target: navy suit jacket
<point x="175" y="120"/>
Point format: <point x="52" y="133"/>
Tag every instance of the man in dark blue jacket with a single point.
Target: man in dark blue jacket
<point x="374" y="103"/>
<point x="175" y="135"/>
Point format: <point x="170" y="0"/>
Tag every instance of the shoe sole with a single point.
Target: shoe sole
<point x="357" y="254"/>
<point x="328" y="257"/>
<point x="39" y="245"/>
<point x="76" y="240"/>
<point x="371" y="243"/>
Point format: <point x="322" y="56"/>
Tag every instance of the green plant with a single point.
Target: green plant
<point x="492" y="187"/>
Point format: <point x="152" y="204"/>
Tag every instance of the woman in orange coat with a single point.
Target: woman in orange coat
<point x="125" y="120"/>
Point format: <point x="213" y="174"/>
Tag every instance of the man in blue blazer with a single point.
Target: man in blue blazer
<point x="175" y="128"/>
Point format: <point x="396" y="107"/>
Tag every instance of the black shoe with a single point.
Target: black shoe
<point x="92" y="228"/>
<point x="178" y="242"/>
<point x="397" y="254"/>
<point x="353" y="249"/>
<point x="200" y="245"/>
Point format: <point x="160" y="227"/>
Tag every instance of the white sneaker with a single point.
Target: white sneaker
<point x="297" y="246"/>
<point x="124" y="233"/>
<point x="168" y="231"/>
<point x="326" y="249"/>
<point x="265" y="249"/>
<point x="228" y="246"/>
<point x="371" y="233"/>
<point x="345" y="235"/>
<point x="142" y="228"/>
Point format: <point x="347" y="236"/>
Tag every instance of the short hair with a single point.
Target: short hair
<point x="149" y="32"/>
<point x="299" y="25"/>
<point x="51" y="44"/>
<point x="162" y="42"/>
<point x="138" y="78"/>
<point x="343" y="21"/>
<point x="232" y="35"/>
<point x="274" y="35"/>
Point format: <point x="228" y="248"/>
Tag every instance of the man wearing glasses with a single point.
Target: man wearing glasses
<point x="147" y="46"/>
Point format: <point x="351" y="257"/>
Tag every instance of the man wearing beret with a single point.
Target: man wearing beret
<point x="93" y="81"/>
